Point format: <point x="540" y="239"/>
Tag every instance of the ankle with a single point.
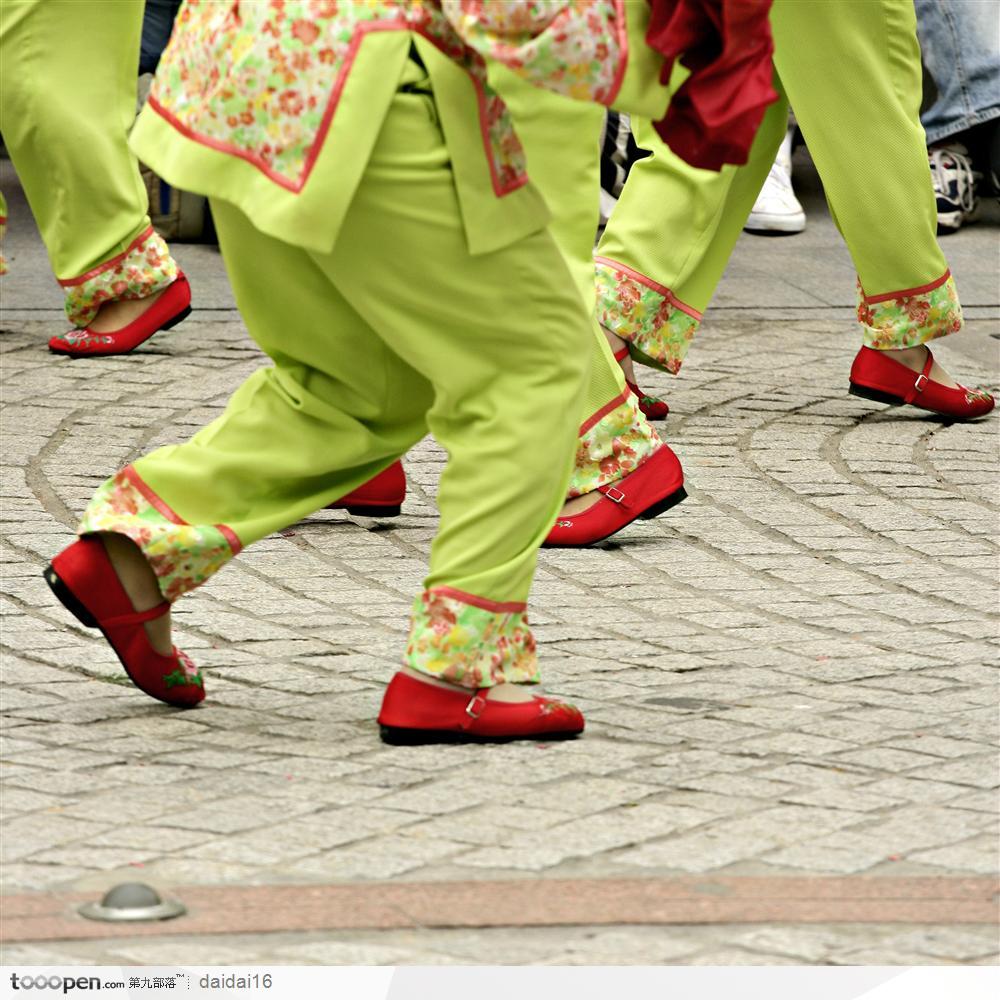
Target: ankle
<point x="617" y="345"/>
<point x="909" y="355"/>
<point x="577" y="505"/>
<point x="113" y="316"/>
<point x="498" y="692"/>
<point x="135" y="574"/>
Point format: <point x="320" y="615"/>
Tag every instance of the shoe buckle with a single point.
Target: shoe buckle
<point x="475" y="707"/>
<point x="609" y="493"/>
<point x="918" y="386"/>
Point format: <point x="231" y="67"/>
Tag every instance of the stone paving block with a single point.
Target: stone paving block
<point x="769" y="680"/>
<point x="584" y="796"/>
<point x="29" y="835"/>
<point x="234" y="814"/>
<point x="798" y="744"/>
<point x="978" y="854"/>
<point x="377" y="857"/>
<point x="981" y="771"/>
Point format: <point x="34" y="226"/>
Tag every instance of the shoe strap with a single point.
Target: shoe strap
<point x="137" y="617"/>
<point x="621" y="354"/>
<point x="614" y="494"/>
<point x="475" y="708"/>
<point x="922" y="379"/>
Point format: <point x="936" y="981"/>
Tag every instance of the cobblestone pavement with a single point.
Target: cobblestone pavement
<point x="793" y="672"/>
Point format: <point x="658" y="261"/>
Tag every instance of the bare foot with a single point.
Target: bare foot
<point x="113" y="316"/>
<point x="139" y="582"/>
<point x="499" y="692"/>
<point x="915" y="357"/>
<point x="617" y="344"/>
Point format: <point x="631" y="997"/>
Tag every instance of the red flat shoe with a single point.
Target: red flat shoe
<point x="652" y="407"/>
<point x="381" y="496"/>
<point x="82" y="577"/>
<point x="414" y="713"/>
<point x="167" y="311"/>
<point x="656" y="486"/>
<point x="885" y="380"/>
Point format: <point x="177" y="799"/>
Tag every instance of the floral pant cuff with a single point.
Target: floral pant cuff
<point x="657" y="325"/>
<point x="613" y="442"/>
<point x="144" y="269"/>
<point x="182" y="555"/>
<point x="909" y="318"/>
<point x="464" y="639"/>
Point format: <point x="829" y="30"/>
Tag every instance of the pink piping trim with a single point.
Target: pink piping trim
<point x="649" y="283"/>
<point x="134" y="478"/>
<point x="498" y="189"/>
<point x="499" y="607"/>
<point x="603" y="412"/>
<point x="316" y="148"/>
<point x="616" y="84"/>
<point x="170" y="514"/>
<point x="141" y="238"/>
<point x="907" y="292"/>
<point x="230" y="536"/>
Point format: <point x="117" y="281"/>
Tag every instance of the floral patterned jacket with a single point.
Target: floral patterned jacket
<point x="252" y="97"/>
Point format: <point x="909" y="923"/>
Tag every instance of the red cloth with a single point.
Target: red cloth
<point x="727" y="46"/>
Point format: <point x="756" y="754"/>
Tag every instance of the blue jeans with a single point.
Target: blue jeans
<point x="960" y="40"/>
<point x="157" y="23"/>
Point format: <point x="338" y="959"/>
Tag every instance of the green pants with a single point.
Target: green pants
<point x="397" y="332"/>
<point x="851" y="69"/>
<point x="561" y="139"/>
<point x="67" y="99"/>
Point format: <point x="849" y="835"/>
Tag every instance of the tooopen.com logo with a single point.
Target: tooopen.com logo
<point x="58" y="983"/>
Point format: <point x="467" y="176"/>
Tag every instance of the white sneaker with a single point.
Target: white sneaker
<point x="954" y="186"/>
<point x="776" y="209"/>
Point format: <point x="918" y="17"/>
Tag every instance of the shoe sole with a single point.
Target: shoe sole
<point x="399" y="737"/>
<point x="775" y="226"/>
<point x="72" y="604"/>
<point x="373" y="511"/>
<point x="876" y="395"/>
<point x="169" y="325"/>
<point x="366" y="510"/>
<point x="664" y="505"/>
<point x="951" y="222"/>
<point x="671" y="500"/>
<point x="68" y="599"/>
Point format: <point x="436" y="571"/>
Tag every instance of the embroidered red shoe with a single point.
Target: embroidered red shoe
<point x="167" y="311"/>
<point x="875" y="375"/>
<point x="381" y="496"/>
<point x="656" y="486"/>
<point x="414" y="712"/>
<point x="82" y="577"/>
<point x="652" y="407"/>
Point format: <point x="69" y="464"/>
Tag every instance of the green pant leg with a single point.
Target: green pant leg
<point x="669" y="239"/>
<point x="504" y="338"/>
<point x="67" y="99"/>
<point x="851" y="69"/>
<point x="294" y="437"/>
<point x="495" y="345"/>
<point x="561" y="139"/>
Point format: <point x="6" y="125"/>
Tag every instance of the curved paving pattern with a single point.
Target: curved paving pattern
<point x="793" y="673"/>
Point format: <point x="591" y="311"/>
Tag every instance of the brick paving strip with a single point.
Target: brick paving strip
<point x="526" y="903"/>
